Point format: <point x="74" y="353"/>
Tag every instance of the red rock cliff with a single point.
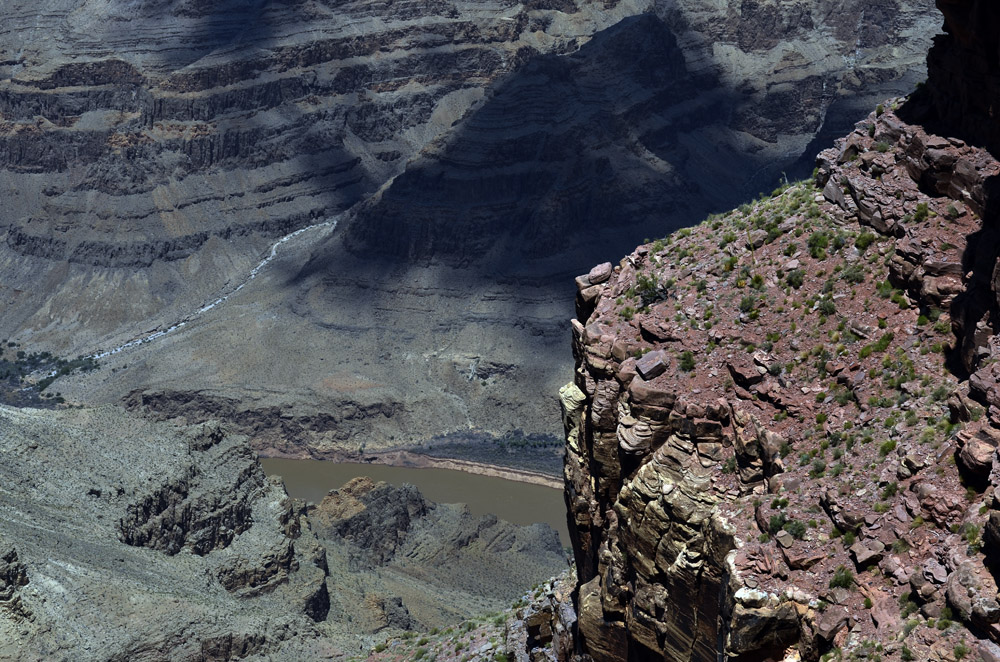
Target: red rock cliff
<point x="782" y="430"/>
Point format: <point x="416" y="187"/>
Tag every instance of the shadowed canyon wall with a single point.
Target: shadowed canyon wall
<point x="487" y="151"/>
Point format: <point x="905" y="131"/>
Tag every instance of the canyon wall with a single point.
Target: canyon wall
<point x="782" y="431"/>
<point x="437" y="304"/>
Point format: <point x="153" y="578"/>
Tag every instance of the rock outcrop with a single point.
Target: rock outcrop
<point x="149" y="154"/>
<point x="128" y="540"/>
<point x="424" y="564"/>
<point x="782" y="431"/>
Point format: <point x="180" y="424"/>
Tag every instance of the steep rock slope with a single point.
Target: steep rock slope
<point x="436" y="306"/>
<point x="122" y="539"/>
<point x="129" y="541"/>
<point x="781" y="438"/>
<point x="148" y="151"/>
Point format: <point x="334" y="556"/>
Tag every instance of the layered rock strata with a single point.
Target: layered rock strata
<point x="148" y="154"/>
<point x="495" y="148"/>
<point x="774" y="446"/>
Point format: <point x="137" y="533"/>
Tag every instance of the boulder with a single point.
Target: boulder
<point x="600" y="273"/>
<point x="976" y="457"/>
<point x="832" y="621"/>
<point x="867" y="552"/>
<point x="652" y="365"/>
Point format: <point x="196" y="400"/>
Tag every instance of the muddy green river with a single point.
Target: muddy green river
<point x="521" y="503"/>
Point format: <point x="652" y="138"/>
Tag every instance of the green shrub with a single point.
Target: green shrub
<point x="795" y="278"/>
<point x="687" y="362"/>
<point x="843" y="577"/>
<point x="796" y="528"/>
<point x="818" y="242"/>
<point x="922" y="212"/>
<point x="864" y="240"/>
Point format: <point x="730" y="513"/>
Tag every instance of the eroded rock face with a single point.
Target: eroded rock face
<point x="782" y="431"/>
<point x="424" y="564"/>
<point x="963" y="71"/>
<point x="227" y="568"/>
<point x="146" y="164"/>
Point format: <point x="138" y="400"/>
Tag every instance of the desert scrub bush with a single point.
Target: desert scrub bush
<point x="864" y="240"/>
<point x="648" y="288"/>
<point x="843" y="577"/>
<point x="827" y="307"/>
<point x="818" y="242"/>
<point x="899" y="299"/>
<point x="796" y="528"/>
<point x="887" y="447"/>
<point x="921" y="213"/>
<point x="878" y="346"/>
<point x="795" y="278"/>
<point x="854" y="274"/>
<point x="748" y="303"/>
<point x="687" y="362"/>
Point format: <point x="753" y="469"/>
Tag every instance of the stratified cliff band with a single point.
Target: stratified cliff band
<point x="782" y="432"/>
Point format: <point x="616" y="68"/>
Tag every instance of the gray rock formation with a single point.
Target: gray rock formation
<point x="124" y="540"/>
<point x="496" y="148"/>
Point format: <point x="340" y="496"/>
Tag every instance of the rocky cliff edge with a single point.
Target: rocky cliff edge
<point x="782" y="431"/>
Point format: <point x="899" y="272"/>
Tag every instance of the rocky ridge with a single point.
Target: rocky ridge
<point x="435" y="563"/>
<point x="781" y="437"/>
<point x="126" y="540"/>
<point x="143" y="173"/>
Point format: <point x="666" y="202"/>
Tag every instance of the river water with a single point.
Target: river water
<point x="520" y="503"/>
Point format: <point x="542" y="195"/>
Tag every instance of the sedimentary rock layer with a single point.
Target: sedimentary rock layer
<point x="781" y="437"/>
<point x="124" y="540"/>
<point x="496" y="148"/>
